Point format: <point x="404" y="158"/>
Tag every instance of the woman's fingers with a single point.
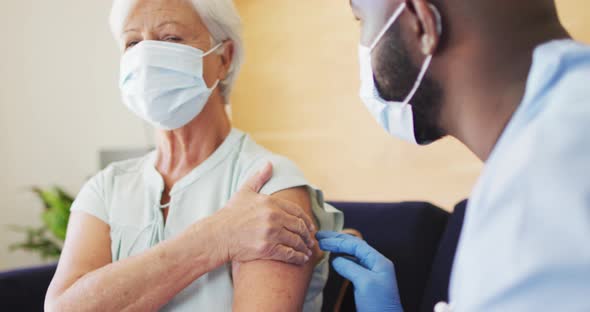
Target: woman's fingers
<point x="268" y="227"/>
<point x="289" y="255"/>
<point x="298" y="226"/>
<point x="293" y="241"/>
<point x="294" y="210"/>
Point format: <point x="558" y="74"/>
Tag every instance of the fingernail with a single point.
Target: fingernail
<point x="306" y="258"/>
<point x="312" y="244"/>
<point x="309" y="253"/>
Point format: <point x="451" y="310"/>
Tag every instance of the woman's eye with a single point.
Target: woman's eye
<point x="172" y="39"/>
<point x="131" y="44"/>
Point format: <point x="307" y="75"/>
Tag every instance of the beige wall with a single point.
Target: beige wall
<point x="575" y="15"/>
<point x="59" y="105"/>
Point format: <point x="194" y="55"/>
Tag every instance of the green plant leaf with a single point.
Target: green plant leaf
<point x="64" y="195"/>
<point x="38" y="241"/>
<point x="55" y="217"/>
<point x="55" y="199"/>
<point x="56" y="223"/>
<point x="57" y="210"/>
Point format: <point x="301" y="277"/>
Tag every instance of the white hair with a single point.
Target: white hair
<point x="219" y="16"/>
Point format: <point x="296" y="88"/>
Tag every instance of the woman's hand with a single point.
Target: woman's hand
<point x="259" y="227"/>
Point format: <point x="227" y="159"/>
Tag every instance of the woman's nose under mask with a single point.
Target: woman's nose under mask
<point x="162" y="83"/>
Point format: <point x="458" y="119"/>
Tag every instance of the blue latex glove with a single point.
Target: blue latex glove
<point x="373" y="275"/>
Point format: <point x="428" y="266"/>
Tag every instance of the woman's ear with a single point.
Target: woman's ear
<point x="227" y="57"/>
<point x="429" y="25"/>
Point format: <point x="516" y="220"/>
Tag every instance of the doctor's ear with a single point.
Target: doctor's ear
<point x="427" y="25"/>
<point x="227" y="57"/>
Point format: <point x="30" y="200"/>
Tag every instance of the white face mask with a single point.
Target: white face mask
<point x="163" y="83"/>
<point x="395" y="117"/>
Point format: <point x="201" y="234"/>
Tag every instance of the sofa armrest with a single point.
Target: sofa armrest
<point x="25" y="289"/>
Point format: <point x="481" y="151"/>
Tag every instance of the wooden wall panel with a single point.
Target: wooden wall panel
<point x="575" y="15"/>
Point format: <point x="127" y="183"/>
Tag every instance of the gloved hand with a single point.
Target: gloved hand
<point x="373" y="275"/>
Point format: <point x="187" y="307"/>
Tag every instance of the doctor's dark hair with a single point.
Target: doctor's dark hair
<point x="395" y="75"/>
<point x="219" y="16"/>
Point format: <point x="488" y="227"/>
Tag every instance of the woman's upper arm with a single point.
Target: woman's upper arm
<point x="270" y="285"/>
<point x="87" y="248"/>
<point x="88" y="243"/>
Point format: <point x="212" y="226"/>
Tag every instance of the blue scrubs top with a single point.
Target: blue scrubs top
<point x="525" y="244"/>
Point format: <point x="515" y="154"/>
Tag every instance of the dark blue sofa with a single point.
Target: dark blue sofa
<point x="419" y="238"/>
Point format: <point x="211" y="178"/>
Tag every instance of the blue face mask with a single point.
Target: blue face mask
<point x="162" y="83"/>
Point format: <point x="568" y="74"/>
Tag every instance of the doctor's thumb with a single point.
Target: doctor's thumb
<point x="258" y="180"/>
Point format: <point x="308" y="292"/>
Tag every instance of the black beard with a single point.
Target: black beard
<point x="395" y="76"/>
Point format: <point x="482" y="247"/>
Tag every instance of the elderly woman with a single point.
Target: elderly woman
<point x="203" y="223"/>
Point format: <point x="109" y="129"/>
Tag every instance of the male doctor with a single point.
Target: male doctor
<point x="506" y="79"/>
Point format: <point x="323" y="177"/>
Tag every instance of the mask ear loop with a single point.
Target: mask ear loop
<point x="428" y="59"/>
<point x="213" y="49"/>
<point x="216" y="84"/>
<point x="385" y="28"/>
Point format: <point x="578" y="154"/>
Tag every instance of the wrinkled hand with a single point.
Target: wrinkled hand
<point x="253" y="226"/>
<point x="373" y="277"/>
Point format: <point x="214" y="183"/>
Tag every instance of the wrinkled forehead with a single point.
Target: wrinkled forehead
<point x="373" y="14"/>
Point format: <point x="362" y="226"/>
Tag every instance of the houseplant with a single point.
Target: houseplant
<point x="48" y="239"/>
